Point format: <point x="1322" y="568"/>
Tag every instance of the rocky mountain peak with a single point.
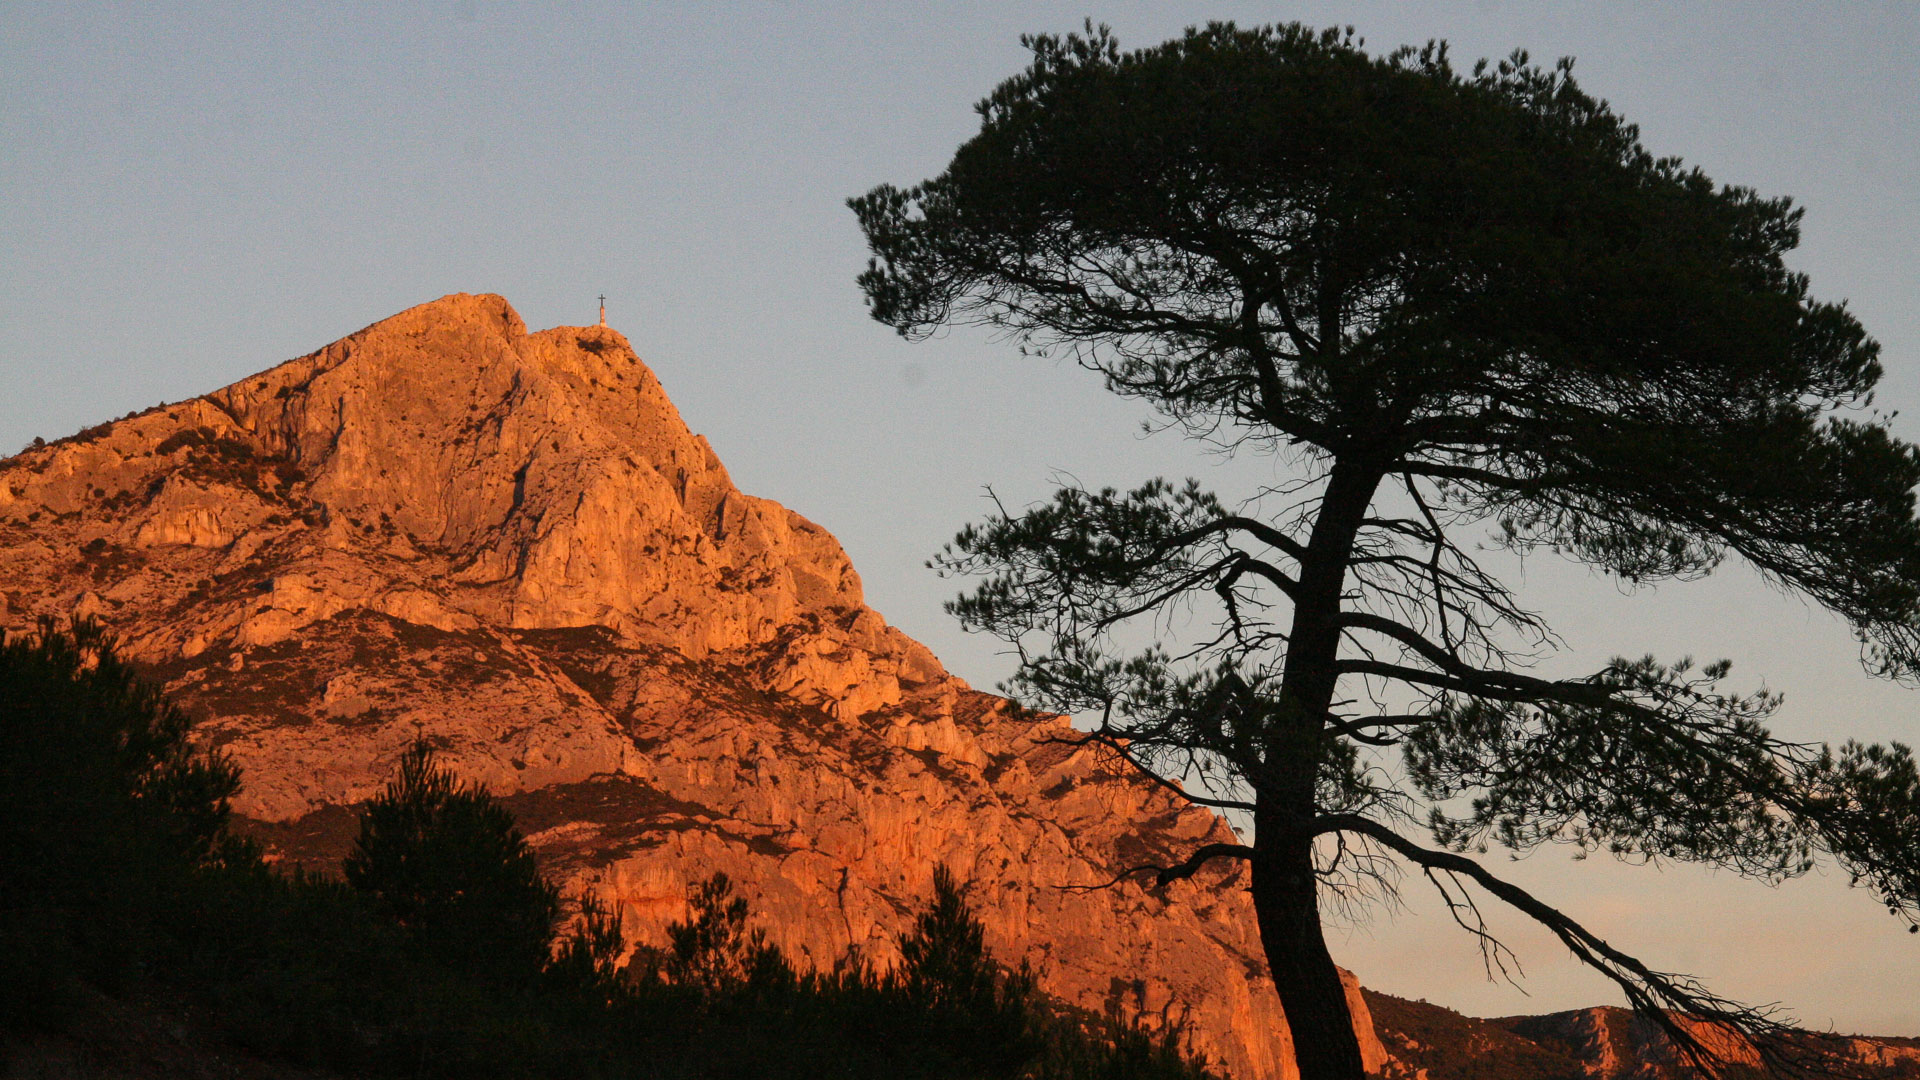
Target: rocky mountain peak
<point x="547" y="474"/>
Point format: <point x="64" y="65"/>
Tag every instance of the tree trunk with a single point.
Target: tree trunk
<point x="1286" y="900"/>
<point x="1285" y="889"/>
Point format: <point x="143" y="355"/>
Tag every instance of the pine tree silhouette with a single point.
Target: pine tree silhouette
<point x="443" y="858"/>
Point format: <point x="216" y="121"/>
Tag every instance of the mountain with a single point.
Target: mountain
<point x="512" y="545"/>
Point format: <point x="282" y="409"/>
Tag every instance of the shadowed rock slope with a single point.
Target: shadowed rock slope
<point x="512" y="544"/>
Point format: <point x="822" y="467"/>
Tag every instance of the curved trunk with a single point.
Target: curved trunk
<point x="1285" y="889"/>
<point x="1286" y="901"/>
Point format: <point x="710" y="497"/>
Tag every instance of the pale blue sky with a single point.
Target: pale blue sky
<point x="193" y="192"/>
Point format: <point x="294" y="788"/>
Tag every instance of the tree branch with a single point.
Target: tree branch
<point x="1113" y="742"/>
<point x="1655" y="995"/>
<point x="1167" y="875"/>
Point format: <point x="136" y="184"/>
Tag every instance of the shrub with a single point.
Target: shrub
<point x="982" y="1011"/>
<point x="108" y="809"/>
<point x="443" y="858"/>
<point x="588" y="958"/>
<point x="713" y="954"/>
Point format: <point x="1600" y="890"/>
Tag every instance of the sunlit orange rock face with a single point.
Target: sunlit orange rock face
<point x="511" y="544"/>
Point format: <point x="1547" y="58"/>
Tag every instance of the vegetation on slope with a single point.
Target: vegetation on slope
<point x="443" y="952"/>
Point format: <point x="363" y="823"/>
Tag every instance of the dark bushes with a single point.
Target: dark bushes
<point x="108" y="814"/>
<point x="444" y="860"/>
<point x="443" y="953"/>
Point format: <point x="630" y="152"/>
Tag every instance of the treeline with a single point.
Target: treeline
<point x="442" y="951"/>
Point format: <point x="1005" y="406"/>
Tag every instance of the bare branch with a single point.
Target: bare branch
<point x="1121" y="749"/>
<point x="1167" y="875"/>
<point x="1653" y="994"/>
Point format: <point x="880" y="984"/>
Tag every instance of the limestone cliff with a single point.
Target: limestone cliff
<point x="512" y="544"/>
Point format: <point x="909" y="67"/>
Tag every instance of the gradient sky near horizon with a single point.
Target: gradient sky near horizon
<point x="191" y="192"/>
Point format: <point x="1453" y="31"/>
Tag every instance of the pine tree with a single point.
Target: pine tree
<point x="1458" y="309"/>
<point x="713" y="953"/>
<point x="444" y="859"/>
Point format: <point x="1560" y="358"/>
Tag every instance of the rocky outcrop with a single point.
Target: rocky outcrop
<point x="1614" y="1044"/>
<point x="1427" y="1042"/>
<point x="511" y="544"/>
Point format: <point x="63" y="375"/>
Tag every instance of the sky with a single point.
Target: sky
<point x="192" y="192"/>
